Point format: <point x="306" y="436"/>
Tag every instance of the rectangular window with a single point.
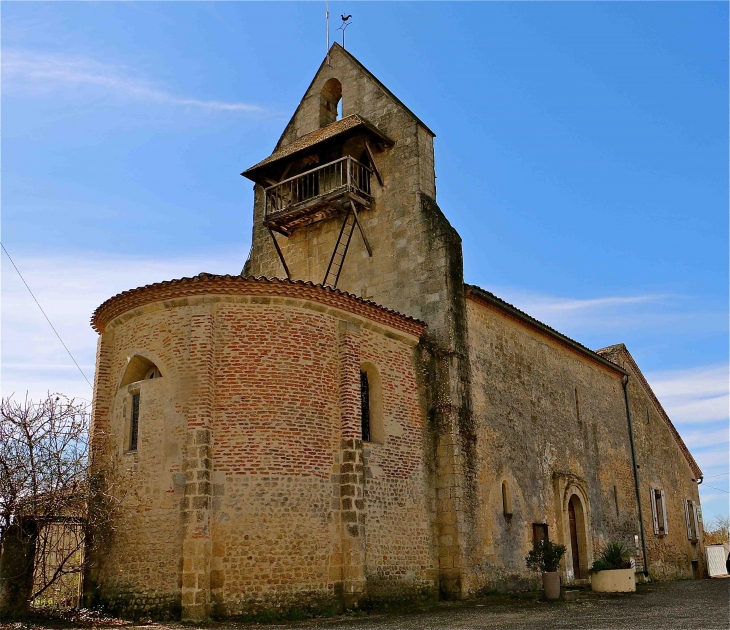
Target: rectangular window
<point x="690" y="515"/>
<point x="134" y="424"/>
<point x="365" y="406"/>
<point x="539" y="531"/>
<point x="615" y="499"/>
<point x="659" y="511"/>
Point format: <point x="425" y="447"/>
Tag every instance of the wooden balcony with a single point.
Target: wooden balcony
<point x="317" y="194"/>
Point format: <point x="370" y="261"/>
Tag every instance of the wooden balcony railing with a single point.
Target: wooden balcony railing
<point x="318" y="186"/>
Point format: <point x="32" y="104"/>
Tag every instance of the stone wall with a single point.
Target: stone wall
<point x="534" y="435"/>
<point x="416" y="268"/>
<point x="665" y="465"/>
<point x="407" y="271"/>
<point x="251" y="488"/>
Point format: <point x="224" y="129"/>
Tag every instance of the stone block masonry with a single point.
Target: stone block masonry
<point x="258" y="409"/>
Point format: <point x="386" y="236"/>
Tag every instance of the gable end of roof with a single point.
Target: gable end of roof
<point x="620" y="350"/>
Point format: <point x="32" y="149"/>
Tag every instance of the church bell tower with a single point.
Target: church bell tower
<point x="347" y="199"/>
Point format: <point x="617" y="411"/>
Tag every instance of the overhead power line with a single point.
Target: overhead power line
<point x="46" y="316"/>
<point x="720" y="475"/>
<point x="719" y="489"/>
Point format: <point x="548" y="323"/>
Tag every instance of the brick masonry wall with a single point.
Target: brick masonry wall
<point x="531" y="435"/>
<point x="249" y="463"/>
<point x="397" y="482"/>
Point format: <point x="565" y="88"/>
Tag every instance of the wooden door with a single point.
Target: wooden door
<point x="574" y="540"/>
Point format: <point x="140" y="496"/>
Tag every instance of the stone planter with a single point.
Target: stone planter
<point x="614" y="581"/>
<point x="551" y="584"/>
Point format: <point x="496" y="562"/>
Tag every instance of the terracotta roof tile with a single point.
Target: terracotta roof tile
<point x="317" y="136"/>
<point x="213" y="284"/>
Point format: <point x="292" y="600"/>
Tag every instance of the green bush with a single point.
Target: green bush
<point x="545" y="556"/>
<point x="613" y="555"/>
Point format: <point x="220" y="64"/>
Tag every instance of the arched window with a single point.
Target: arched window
<point x="330" y="104"/>
<point x="506" y="499"/>
<point x="371" y="405"/>
<point x="139" y="369"/>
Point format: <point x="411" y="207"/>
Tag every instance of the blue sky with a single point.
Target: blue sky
<point x="581" y="152"/>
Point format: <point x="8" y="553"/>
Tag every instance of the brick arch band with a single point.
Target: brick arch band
<point x="211" y="284"/>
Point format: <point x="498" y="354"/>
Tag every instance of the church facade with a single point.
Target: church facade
<point x="347" y="421"/>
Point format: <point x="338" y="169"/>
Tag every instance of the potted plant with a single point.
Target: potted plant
<point x="612" y="571"/>
<point x="545" y="556"/>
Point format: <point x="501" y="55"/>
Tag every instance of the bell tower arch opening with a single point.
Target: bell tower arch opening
<point x="330" y="102"/>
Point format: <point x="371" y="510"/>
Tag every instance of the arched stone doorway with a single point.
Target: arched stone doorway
<point x="577" y="535"/>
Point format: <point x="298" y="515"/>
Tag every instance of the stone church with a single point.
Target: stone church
<point x="347" y="420"/>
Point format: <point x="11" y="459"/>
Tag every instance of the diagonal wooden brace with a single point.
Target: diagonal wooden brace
<point x="372" y="163"/>
<point x="362" y="230"/>
<point x="278" y="251"/>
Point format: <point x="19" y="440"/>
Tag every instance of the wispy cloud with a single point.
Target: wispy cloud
<point x="699" y="381"/>
<point x="39" y="73"/>
<point x="69" y="288"/>
<point x="551" y="304"/>
<point x="695" y="395"/>
<point x="575" y="316"/>
<point x="708" y="437"/>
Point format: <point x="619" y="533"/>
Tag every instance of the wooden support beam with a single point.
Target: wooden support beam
<point x="362" y="230"/>
<point x="286" y="171"/>
<point x="278" y="251"/>
<point x="372" y="163"/>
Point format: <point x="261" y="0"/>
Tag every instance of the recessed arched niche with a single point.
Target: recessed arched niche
<point x="139" y="368"/>
<point x="371" y="392"/>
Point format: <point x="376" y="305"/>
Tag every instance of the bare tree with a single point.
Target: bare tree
<point x="717" y="530"/>
<point x="50" y="503"/>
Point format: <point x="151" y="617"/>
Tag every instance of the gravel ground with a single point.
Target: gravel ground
<point x="690" y="604"/>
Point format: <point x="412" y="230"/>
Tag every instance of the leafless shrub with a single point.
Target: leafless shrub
<point x="52" y="505"/>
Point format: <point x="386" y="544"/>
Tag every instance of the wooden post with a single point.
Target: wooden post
<point x="17" y="560"/>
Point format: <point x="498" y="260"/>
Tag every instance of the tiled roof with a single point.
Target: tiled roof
<point x="317" y="136"/>
<point x="486" y="296"/>
<point x="212" y="284"/>
<point x="600" y="356"/>
<point x="621" y="349"/>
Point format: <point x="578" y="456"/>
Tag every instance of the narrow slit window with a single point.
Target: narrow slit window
<point x="615" y="499"/>
<point x="134" y="424"/>
<point x="506" y="499"/>
<point x="365" y="406"/>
